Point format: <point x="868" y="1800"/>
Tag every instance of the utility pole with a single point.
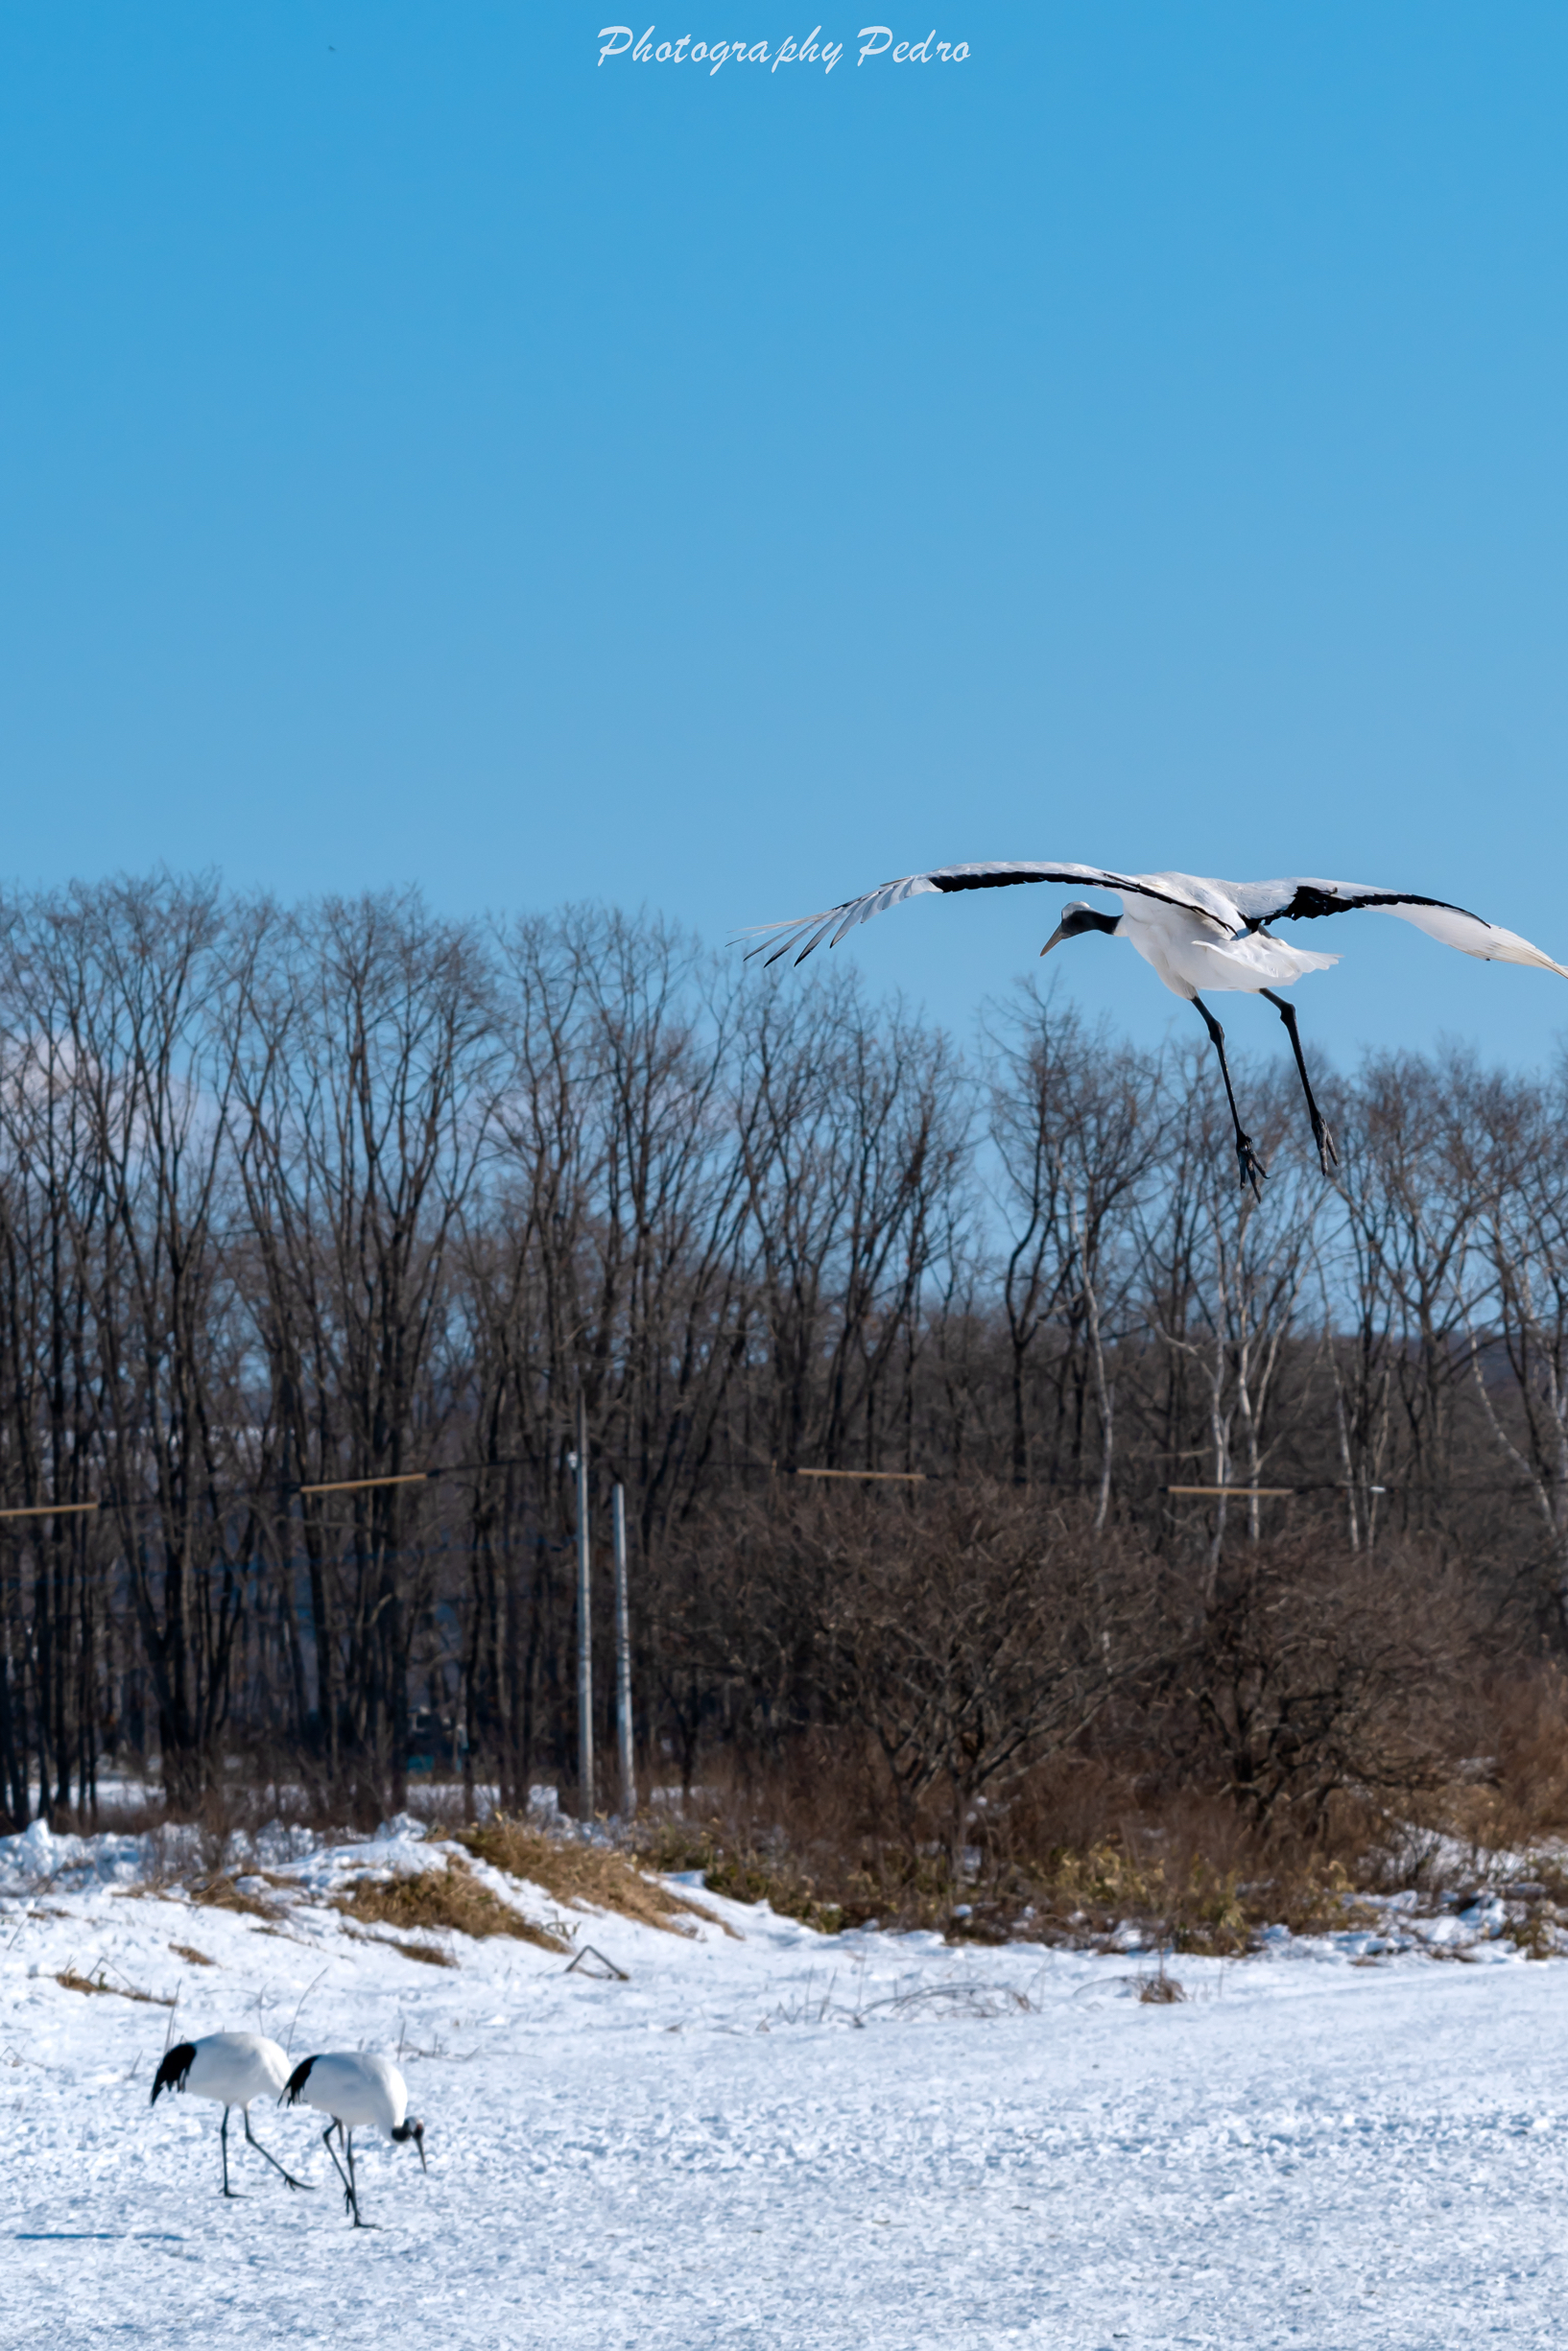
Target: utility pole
<point x="622" y="1664"/>
<point x="584" y="1620"/>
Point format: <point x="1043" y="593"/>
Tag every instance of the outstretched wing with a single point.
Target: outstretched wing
<point x="813" y="928"/>
<point x="1295" y="900"/>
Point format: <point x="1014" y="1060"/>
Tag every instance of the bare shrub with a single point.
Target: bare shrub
<point x="1313" y="1672"/>
<point x="969" y="1632"/>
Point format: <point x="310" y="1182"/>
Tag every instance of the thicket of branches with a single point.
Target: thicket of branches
<point x="293" y="1197"/>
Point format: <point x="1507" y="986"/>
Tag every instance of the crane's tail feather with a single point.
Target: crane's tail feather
<point x="296" y="2083"/>
<point x="174" y="2071"/>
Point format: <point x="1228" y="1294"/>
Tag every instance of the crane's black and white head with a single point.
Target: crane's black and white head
<point x="415" y="2131"/>
<point x="1077" y="919"/>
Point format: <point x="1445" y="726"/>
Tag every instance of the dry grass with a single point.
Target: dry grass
<point x="429" y="1953"/>
<point x="446" y="1901"/>
<point x="576" y="1874"/>
<point x="220" y="1892"/>
<point x="188" y="1951"/>
<point x="74" y="1983"/>
<point x="1076" y="1853"/>
<point x="1160" y="1990"/>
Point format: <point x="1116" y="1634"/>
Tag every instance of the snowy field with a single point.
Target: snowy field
<point x="773" y="2139"/>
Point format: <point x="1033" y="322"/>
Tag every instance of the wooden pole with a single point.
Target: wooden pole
<point x="622" y="1665"/>
<point x="584" y="1621"/>
<point x="1247" y="1492"/>
<point x="352" y="1486"/>
<point x="884" y="1477"/>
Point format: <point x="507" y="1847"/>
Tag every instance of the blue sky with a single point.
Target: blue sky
<point x="429" y="455"/>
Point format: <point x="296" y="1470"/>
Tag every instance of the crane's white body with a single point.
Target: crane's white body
<point x="234" y="2068"/>
<point x="1194" y="952"/>
<point x="363" y="2093"/>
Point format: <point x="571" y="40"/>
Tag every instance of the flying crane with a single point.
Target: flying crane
<point x="1199" y="935"/>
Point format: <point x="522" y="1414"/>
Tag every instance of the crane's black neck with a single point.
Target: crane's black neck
<point x="1083" y="918"/>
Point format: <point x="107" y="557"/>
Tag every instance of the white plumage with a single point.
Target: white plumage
<point x="233" y="2067"/>
<point x="1198" y="934"/>
<point x="360" y="2093"/>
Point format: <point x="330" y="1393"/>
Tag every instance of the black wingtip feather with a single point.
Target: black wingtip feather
<point x="174" y="2071"/>
<point x="296" y="2083"/>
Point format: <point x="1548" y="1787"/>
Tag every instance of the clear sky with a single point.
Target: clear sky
<point x="427" y="454"/>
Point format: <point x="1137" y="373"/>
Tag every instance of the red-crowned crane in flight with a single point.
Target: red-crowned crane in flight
<point x="1199" y="934"/>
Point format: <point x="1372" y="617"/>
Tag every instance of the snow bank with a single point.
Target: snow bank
<point x="771" y="2138"/>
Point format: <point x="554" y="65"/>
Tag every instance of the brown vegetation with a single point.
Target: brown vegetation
<point x="443" y="1901"/>
<point x="71" y="1982"/>
<point x="580" y="1875"/>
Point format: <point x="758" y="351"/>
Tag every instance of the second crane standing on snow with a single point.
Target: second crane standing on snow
<point x="359" y="2092"/>
<point x="1197" y="932"/>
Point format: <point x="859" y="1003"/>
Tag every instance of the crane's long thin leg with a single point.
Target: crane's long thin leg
<point x="1328" y="1158"/>
<point x="272" y="2159"/>
<point x="348" y="2185"/>
<point x="1251" y="1166"/>
<point x="223" y="2141"/>
<point x="353" y="2185"/>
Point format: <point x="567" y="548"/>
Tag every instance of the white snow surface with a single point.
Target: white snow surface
<point x="773" y="2138"/>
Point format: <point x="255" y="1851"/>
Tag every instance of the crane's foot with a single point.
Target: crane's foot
<point x="233" y="2195"/>
<point x="1328" y="1158"/>
<point x="308" y="2185"/>
<point x="1251" y="1166"/>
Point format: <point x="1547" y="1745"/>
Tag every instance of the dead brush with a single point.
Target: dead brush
<point x="430" y="1955"/>
<point x="71" y="1980"/>
<point x="869" y="1878"/>
<point x="1160" y="1990"/>
<point x="448" y="1901"/>
<point x="577" y="1875"/>
<point x="219" y="1891"/>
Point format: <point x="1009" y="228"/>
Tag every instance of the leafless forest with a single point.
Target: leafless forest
<point x="292" y="1198"/>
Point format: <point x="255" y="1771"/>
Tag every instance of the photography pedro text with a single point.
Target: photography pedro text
<point x="876" y="42"/>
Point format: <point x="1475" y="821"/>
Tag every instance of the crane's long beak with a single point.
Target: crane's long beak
<point x="1055" y="940"/>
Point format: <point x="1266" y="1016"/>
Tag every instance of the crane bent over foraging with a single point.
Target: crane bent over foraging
<point x="358" y="2092"/>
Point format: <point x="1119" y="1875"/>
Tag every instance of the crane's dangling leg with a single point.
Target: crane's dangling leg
<point x="223" y="2141"/>
<point x="1328" y="1158"/>
<point x="266" y="2159"/>
<point x="1251" y="1166"/>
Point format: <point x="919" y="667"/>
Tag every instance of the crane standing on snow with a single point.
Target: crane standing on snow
<point x="358" y="2092"/>
<point x="235" y="2067"/>
<point x="1198" y="934"/>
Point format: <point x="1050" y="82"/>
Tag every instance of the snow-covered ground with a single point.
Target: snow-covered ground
<point x="768" y="2138"/>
